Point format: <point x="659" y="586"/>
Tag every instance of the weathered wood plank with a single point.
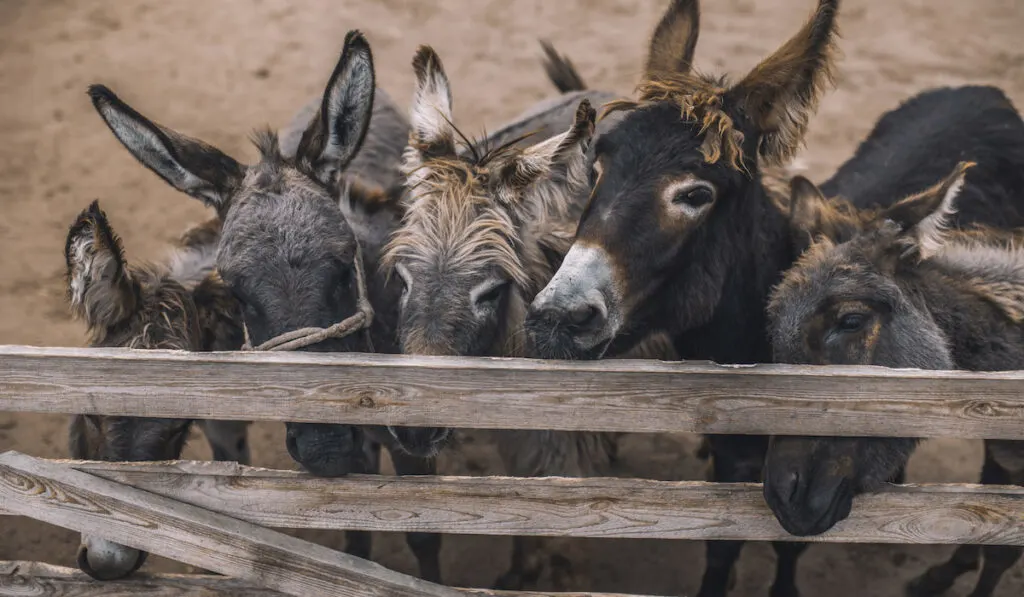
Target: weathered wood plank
<point x="75" y="500"/>
<point x="23" y="579"/>
<point x="614" y="395"/>
<point x="37" y="579"/>
<point x="596" y="507"/>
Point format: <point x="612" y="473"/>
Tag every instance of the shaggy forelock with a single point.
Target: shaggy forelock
<point x="451" y="223"/>
<point x="700" y="99"/>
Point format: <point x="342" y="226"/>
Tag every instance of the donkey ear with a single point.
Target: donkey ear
<point x="187" y="164"/>
<point x="567" y="150"/>
<point x="431" y="115"/>
<point x="924" y="218"/>
<point x="337" y="130"/>
<point x="674" y="40"/>
<point x="100" y="287"/>
<point x="806" y="205"/>
<point x="782" y="92"/>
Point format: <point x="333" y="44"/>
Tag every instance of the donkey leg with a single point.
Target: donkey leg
<point x="787" y="554"/>
<point x="734" y="459"/>
<point x="996" y="561"/>
<point x="938" y="579"/>
<point x="360" y="543"/>
<point x="425" y="546"/>
<point x="526" y="567"/>
<point x="229" y="440"/>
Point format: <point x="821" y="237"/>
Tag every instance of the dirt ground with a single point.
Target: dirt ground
<point x="217" y="69"/>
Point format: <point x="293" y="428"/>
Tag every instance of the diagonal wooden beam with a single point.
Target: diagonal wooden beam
<point x="20" y="579"/>
<point x="59" y="495"/>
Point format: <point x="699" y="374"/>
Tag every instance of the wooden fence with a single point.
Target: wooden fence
<point x="219" y="516"/>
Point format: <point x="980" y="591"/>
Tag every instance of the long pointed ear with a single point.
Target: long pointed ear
<point x="562" y="159"/>
<point x="674" y="40"/>
<point x="781" y="93"/>
<point x="431" y="116"/>
<point x="100" y="287"/>
<point x="568" y="150"/>
<point x="807" y="204"/>
<point x="187" y="164"/>
<point x="925" y="218"/>
<point x="337" y="130"/>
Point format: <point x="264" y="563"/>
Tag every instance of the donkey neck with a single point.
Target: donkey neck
<point x="753" y="249"/>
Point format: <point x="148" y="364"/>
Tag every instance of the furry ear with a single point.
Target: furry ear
<point x="187" y="164"/>
<point x="431" y="117"/>
<point x="336" y="132"/>
<point x="100" y="287"/>
<point x="924" y="218"/>
<point x="674" y="40"/>
<point x="781" y="93"/>
<point x="568" y="150"/>
<point x="806" y="205"/>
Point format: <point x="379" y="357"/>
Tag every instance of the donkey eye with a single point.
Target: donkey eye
<point x="492" y="295"/>
<point x="851" y="322"/>
<point x="695" y="197"/>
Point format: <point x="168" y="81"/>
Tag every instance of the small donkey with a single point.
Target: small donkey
<point x="287" y="252"/>
<point x="484" y="228"/>
<point x="897" y="287"/>
<point x="180" y="305"/>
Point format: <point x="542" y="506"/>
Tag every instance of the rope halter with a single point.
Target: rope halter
<point x="301" y="338"/>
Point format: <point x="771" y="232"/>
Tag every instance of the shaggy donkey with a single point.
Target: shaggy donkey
<point x="286" y="251"/>
<point x="484" y="228"/>
<point x="898" y="289"/>
<point x="180" y="305"/>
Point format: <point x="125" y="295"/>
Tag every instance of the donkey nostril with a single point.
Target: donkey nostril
<point x="583" y="316"/>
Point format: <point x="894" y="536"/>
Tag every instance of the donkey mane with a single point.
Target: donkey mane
<point x="992" y="263"/>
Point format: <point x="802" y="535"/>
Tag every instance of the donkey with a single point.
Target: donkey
<point x="179" y="305"/>
<point x="477" y="240"/>
<point x="286" y="251"/>
<point x="680" y="235"/>
<point x="897" y="287"/>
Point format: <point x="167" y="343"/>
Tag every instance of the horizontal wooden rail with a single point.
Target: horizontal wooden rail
<point x="613" y="395"/>
<point x="22" y="579"/>
<point x="596" y="507"/>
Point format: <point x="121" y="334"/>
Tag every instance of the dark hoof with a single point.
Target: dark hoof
<point x="790" y="591"/>
<point x="111" y="561"/>
<point x="510" y="581"/>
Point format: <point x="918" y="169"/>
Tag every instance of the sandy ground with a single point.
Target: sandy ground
<point x="217" y="69"/>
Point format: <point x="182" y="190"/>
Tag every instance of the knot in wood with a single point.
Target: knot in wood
<point x="367" y="402"/>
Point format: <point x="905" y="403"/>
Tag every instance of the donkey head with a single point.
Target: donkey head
<point x="138" y="307"/>
<point x="844" y="304"/>
<point x="677" y="189"/>
<point x="286" y="251"/>
<point x="478" y="229"/>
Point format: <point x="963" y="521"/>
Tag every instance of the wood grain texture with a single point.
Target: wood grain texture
<point x="615" y="395"/>
<point x="34" y="579"/>
<point x="75" y="500"/>
<point x="594" y="507"/>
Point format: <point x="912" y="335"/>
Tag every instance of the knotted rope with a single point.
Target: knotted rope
<point x="301" y="338"/>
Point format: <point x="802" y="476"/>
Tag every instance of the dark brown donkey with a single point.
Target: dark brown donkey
<point x="287" y="251"/>
<point x="898" y="288"/>
<point x="179" y="305"/>
<point x="680" y="235"/>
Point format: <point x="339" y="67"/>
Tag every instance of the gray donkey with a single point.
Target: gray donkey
<point x="287" y="251"/>
<point x="177" y="305"/>
<point x="484" y="228"/>
<point x="897" y="287"/>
